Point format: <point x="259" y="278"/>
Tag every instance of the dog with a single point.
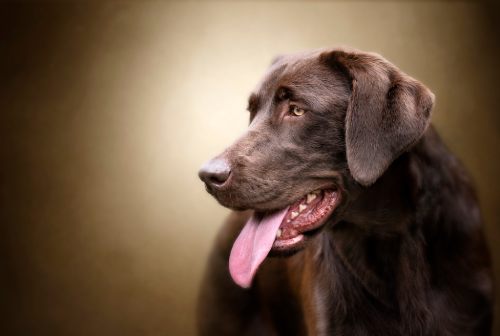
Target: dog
<point x="351" y="216"/>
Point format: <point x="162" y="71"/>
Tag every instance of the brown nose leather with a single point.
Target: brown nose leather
<point x="215" y="173"/>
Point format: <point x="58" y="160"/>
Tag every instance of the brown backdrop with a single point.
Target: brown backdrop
<point x="107" y="110"/>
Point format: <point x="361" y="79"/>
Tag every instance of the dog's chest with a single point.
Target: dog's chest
<point x="312" y="294"/>
<point x="292" y="298"/>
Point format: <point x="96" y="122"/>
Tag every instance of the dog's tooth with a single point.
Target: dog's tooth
<point x="316" y="191"/>
<point x="302" y="207"/>
<point x="278" y="234"/>
<point x="288" y="221"/>
<point x="294" y="214"/>
<point x="310" y="197"/>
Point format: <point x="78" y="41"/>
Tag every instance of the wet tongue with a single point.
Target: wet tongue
<point x="252" y="246"/>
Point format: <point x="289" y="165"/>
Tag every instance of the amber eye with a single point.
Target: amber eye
<point x="297" y="110"/>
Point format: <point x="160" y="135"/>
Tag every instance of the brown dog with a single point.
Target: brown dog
<point x="376" y="222"/>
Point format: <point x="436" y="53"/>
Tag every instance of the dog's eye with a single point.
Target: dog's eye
<point x="297" y="110"/>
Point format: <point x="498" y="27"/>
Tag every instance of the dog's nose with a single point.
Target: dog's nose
<point x="215" y="173"/>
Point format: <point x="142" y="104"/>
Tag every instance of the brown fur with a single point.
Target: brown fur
<point x="402" y="254"/>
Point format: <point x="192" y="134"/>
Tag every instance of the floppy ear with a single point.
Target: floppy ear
<point x="388" y="111"/>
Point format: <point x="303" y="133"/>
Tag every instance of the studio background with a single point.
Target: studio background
<point x="108" y="110"/>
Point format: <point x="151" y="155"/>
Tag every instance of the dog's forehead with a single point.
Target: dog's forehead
<point x="287" y="66"/>
<point x="299" y="64"/>
<point x="306" y="76"/>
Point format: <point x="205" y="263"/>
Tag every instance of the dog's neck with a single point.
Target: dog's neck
<point x="383" y="251"/>
<point x="376" y="226"/>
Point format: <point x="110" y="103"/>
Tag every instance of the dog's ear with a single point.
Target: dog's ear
<point x="388" y="111"/>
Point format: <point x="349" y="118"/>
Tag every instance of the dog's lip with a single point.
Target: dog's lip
<point x="293" y="233"/>
<point x="263" y="209"/>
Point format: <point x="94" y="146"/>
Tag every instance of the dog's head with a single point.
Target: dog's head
<point x="322" y="124"/>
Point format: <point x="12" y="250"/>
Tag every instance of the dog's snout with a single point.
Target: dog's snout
<point x="215" y="173"/>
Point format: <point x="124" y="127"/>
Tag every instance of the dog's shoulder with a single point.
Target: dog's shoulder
<point x="224" y="308"/>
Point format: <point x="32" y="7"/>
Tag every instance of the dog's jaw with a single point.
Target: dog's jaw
<point x="284" y="231"/>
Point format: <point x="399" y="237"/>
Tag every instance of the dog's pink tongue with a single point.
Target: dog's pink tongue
<point x="252" y="246"/>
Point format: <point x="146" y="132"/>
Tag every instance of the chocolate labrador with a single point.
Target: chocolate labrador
<point x="351" y="216"/>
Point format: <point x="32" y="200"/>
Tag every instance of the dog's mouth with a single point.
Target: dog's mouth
<point x="307" y="214"/>
<point x="280" y="230"/>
